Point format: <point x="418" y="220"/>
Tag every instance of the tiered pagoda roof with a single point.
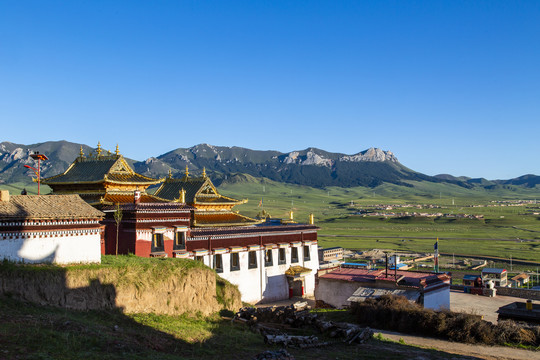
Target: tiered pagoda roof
<point x="211" y="208"/>
<point x="198" y="191"/>
<point x="102" y="178"/>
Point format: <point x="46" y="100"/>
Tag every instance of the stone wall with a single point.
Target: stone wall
<point x="506" y="291"/>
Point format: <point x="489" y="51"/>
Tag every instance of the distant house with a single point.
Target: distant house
<point x="498" y="276"/>
<point x="329" y="254"/>
<point x="49" y="229"/>
<point x="344" y="285"/>
<point x="519" y="280"/>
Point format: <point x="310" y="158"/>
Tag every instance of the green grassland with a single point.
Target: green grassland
<point x="503" y="232"/>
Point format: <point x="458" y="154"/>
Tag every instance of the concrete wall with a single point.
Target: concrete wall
<point x="506" y="291"/>
<point x="519" y="293"/>
<point x="335" y="292"/>
<point x="437" y="299"/>
<point x="84" y="248"/>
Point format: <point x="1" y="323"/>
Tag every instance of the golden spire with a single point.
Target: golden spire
<point x="204" y="172"/>
<point x="187" y="172"/>
<point x="311" y="219"/>
<point x="170" y="173"/>
<point x="98" y="150"/>
<point x="117" y="150"/>
<point x="182" y="195"/>
<point x="81" y="153"/>
<point x="291" y="215"/>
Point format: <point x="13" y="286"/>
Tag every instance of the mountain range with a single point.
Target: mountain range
<point x="311" y="167"/>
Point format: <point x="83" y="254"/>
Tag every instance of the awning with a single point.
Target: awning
<point x="235" y="249"/>
<point x="254" y="247"/>
<point x="270" y="246"/>
<point x="182" y="254"/>
<point x="200" y="252"/>
<point x="220" y="251"/>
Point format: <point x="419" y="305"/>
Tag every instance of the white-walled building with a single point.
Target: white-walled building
<point x="338" y="286"/>
<point x="49" y="229"/>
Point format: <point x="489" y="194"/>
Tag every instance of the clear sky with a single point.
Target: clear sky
<point x="448" y="86"/>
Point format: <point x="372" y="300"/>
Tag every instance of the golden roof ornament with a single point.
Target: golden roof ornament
<point x="98" y="150"/>
<point x="182" y="195"/>
<point x="291" y="215"/>
<point x="187" y="172"/>
<point x="311" y="219"/>
<point x="117" y="150"/>
<point x="81" y="154"/>
<point x="204" y="172"/>
<point x="170" y="173"/>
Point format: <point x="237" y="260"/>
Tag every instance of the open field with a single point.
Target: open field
<point x="504" y="231"/>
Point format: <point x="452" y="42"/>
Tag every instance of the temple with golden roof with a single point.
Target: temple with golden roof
<point x="211" y="208"/>
<point x="103" y="178"/>
<point x="189" y="218"/>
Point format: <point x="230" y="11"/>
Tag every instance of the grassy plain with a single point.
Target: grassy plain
<point x="503" y="231"/>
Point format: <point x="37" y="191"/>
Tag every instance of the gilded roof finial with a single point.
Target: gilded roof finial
<point x="204" y="172"/>
<point x="311" y="219"/>
<point x="98" y="150"/>
<point x="117" y="150"/>
<point x="291" y="215"/>
<point x="187" y="172"/>
<point x="170" y="173"/>
<point x="81" y="153"/>
<point x="182" y="195"/>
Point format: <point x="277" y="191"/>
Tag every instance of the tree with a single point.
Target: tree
<point x="118" y="219"/>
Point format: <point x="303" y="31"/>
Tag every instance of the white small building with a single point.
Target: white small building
<point x="57" y="229"/>
<point x="339" y="287"/>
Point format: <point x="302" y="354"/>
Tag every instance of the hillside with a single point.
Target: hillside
<point x="310" y="167"/>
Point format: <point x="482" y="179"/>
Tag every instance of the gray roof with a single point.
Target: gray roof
<point x="21" y="207"/>
<point x="363" y="293"/>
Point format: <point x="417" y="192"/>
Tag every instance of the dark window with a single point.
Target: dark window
<point x="307" y="257"/>
<point x="157" y="242"/>
<point x="199" y="258"/>
<point x="235" y="262"/>
<point x="294" y="255"/>
<point x="218" y="263"/>
<point x="179" y="240"/>
<point x="268" y="261"/>
<point x="281" y="259"/>
<point x="252" y="257"/>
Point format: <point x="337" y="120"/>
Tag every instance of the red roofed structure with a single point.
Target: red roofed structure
<point x="337" y="285"/>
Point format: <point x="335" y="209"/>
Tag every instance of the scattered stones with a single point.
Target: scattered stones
<point x="274" y="355"/>
<point x="271" y="321"/>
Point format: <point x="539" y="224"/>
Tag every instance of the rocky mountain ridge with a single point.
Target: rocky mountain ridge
<point x="311" y="167"/>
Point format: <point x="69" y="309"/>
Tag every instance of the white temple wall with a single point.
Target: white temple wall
<point x="85" y="248"/>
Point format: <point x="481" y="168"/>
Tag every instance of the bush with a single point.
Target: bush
<point x="398" y="314"/>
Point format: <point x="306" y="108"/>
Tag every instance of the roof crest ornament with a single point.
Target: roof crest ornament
<point x="187" y="173"/>
<point x="81" y="154"/>
<point x="204" y="172"/>
<point x="117" y="150"/>
<point x="98" y="150"/>
<point x="170" y="173"/>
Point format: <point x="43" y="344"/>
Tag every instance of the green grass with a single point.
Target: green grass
<point x="334" y="210"/>
<point x="29" y="331"/>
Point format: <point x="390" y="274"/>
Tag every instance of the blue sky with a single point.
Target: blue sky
<point x="448" y="86"/>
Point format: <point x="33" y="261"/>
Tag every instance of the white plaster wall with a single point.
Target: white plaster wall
<point x="59" y="249"/>
<point x="438" y="299"/>
<point x="335" y="292"/>
<point x="270" y="281"/>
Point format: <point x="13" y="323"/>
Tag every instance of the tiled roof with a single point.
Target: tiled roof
<point x="171" y="188"/>
<point x="47" y="207"/>
<point x="222" y="219"/>
<point x="98" y="169"/>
